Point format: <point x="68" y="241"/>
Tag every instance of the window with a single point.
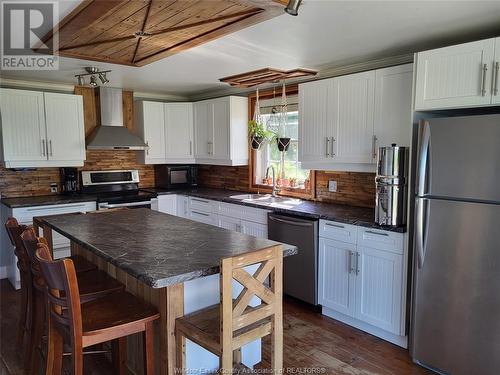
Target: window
<point x="294" y="176"/>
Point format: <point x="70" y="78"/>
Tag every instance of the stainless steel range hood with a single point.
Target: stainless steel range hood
<point x="112" y="134"/>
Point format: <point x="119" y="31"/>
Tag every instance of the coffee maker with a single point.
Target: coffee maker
<point x="69" y="180"/>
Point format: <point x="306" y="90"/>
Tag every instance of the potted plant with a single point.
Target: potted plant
<point x="258" y="135"/>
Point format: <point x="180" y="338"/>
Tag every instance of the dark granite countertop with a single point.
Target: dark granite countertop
<point x="47" y="200"/>
<point x="156" y="248"/>
<point x="316" y="210"/>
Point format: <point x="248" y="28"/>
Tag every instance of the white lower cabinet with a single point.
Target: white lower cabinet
<point x="24" y="215"/>
<point x="230" y="223"/>
<point x="243" y="219"/>
<point x="362" y="281"/>
<point x="337" y="282"/>
<point x="378" y="288"/>
<point x="253" y="229"/>
<point x="168" y="204"/>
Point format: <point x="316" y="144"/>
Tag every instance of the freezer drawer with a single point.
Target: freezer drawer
<point x="456" y="309"/>
<point x="300" y="272"/>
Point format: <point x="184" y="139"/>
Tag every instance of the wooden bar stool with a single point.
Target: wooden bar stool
<point x="14" y="231"/>
<point x="92" y="284"/>
<point x="118" y="315"/>
<point x="225" y="328"/>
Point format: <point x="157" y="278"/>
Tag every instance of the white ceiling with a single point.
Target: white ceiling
<point x="327" y="33"/>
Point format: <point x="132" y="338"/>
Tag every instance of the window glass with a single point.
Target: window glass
<point x="269" y="154"/>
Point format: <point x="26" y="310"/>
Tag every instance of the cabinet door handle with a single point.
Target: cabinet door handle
<point x="357" y="263"/>
<point x="484" y="70"/>
<point x="43" y="147"/>
<point x="374" y="147"/>
<point x="349" y="265"/>
<point x="200" y="213"/>
<point x="50" y="147"/>
<point x="335" y="225"/>
<point x="377" y="233"/>
<point x="496" y="71"/>
<point x="200" y="200"/>
<point x="333" y="140"/>
<point x="327" y="147"/>
<point x="190" y="147"/>
<point x="209" y="148"/>
<point x="147" y="149"/>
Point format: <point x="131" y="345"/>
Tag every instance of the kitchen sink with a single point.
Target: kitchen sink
<point x="268" y="200"/>
<point x="242" y="197"/>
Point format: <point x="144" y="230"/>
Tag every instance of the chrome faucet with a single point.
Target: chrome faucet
<point x="275" y="188"/>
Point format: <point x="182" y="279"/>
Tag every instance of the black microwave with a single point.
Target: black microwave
<point x="176" y="176"/>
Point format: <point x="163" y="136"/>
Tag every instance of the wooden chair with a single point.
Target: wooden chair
<point x="112" y="318"/>
<point x="92" y="285"/>
<point x="14" y="231"/>
<point x="225" y="328"/>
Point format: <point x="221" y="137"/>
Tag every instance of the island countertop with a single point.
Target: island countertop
<point x="156" y="248"/>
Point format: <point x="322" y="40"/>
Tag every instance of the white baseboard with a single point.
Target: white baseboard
<point x="401" y="341"/>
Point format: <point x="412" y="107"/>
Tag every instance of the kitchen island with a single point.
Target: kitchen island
<point x="168" y="261"/>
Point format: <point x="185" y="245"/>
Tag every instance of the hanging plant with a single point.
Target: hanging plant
<point x="258" y="135"/>
<point x="282" y="141"/>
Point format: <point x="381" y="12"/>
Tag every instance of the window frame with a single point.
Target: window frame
<point x="252" y="162"/>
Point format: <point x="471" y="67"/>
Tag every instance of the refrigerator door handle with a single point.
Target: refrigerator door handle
<point x="421" y="224"/>
<point x="423" y="155"/>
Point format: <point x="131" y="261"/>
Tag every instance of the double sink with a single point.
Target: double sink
<point x="267" y="200"/>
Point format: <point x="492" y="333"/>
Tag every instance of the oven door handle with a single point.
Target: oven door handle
<point x="106" y="205"/>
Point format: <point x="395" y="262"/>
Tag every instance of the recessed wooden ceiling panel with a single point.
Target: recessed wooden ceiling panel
<point x="139" y="32"/>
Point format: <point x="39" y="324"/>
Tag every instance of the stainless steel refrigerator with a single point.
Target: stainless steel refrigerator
<point x="456" y="285"/>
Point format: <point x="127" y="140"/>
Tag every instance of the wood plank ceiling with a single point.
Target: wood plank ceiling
<point x="139" y="32"/>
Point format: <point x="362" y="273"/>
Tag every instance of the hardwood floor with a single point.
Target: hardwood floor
<point x="311" y="341"/>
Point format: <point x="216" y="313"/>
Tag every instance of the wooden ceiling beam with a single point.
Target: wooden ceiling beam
<point x="142" y="29"/>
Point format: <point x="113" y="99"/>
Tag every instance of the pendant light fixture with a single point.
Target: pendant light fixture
<point x="293" y="7"/>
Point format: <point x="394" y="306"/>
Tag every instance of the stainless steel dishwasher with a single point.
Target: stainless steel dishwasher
<point x="300" y="272"/>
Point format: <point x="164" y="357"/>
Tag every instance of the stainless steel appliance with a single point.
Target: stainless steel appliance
<point x="456" y="289"/>
<point x="69" y="180"/>
<point x="117" y="188"/>
<point x="300" y="272"/>
<point x="112" y="134"/>
<point x="176" y="176"/>
<point x="391" y="185"/>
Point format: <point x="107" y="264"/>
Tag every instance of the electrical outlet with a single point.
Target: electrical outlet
<point x="332" y="186"/>
<point x="53" y="187"/>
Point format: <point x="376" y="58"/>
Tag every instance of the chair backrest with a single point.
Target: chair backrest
<point x="14" y="230"/>
<point x="239" y="314"/>
<point x="62" y="290"/>
<point x="31" y="241"/>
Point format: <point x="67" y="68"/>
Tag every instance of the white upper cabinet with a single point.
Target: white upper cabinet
<point x="343" y="120"/>
<point x="167" y="128"/>
<point x="41" y="129"/>
<point x="316" y="125"/>
<point x="220" y="129"/>
<point x="65" y="142"/>
<point x="496" y="72"/>
<point x="203" y="129"/>
<point x="179" y="132"/>
<point x="23" y="126"/>
<point x="393" y="90"/>
<point x="456" y="77"/>
<point x="353" y="106"/>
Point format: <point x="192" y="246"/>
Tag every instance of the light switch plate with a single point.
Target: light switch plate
<point x="53" y="187"/>
<point x="332" y="186"/>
